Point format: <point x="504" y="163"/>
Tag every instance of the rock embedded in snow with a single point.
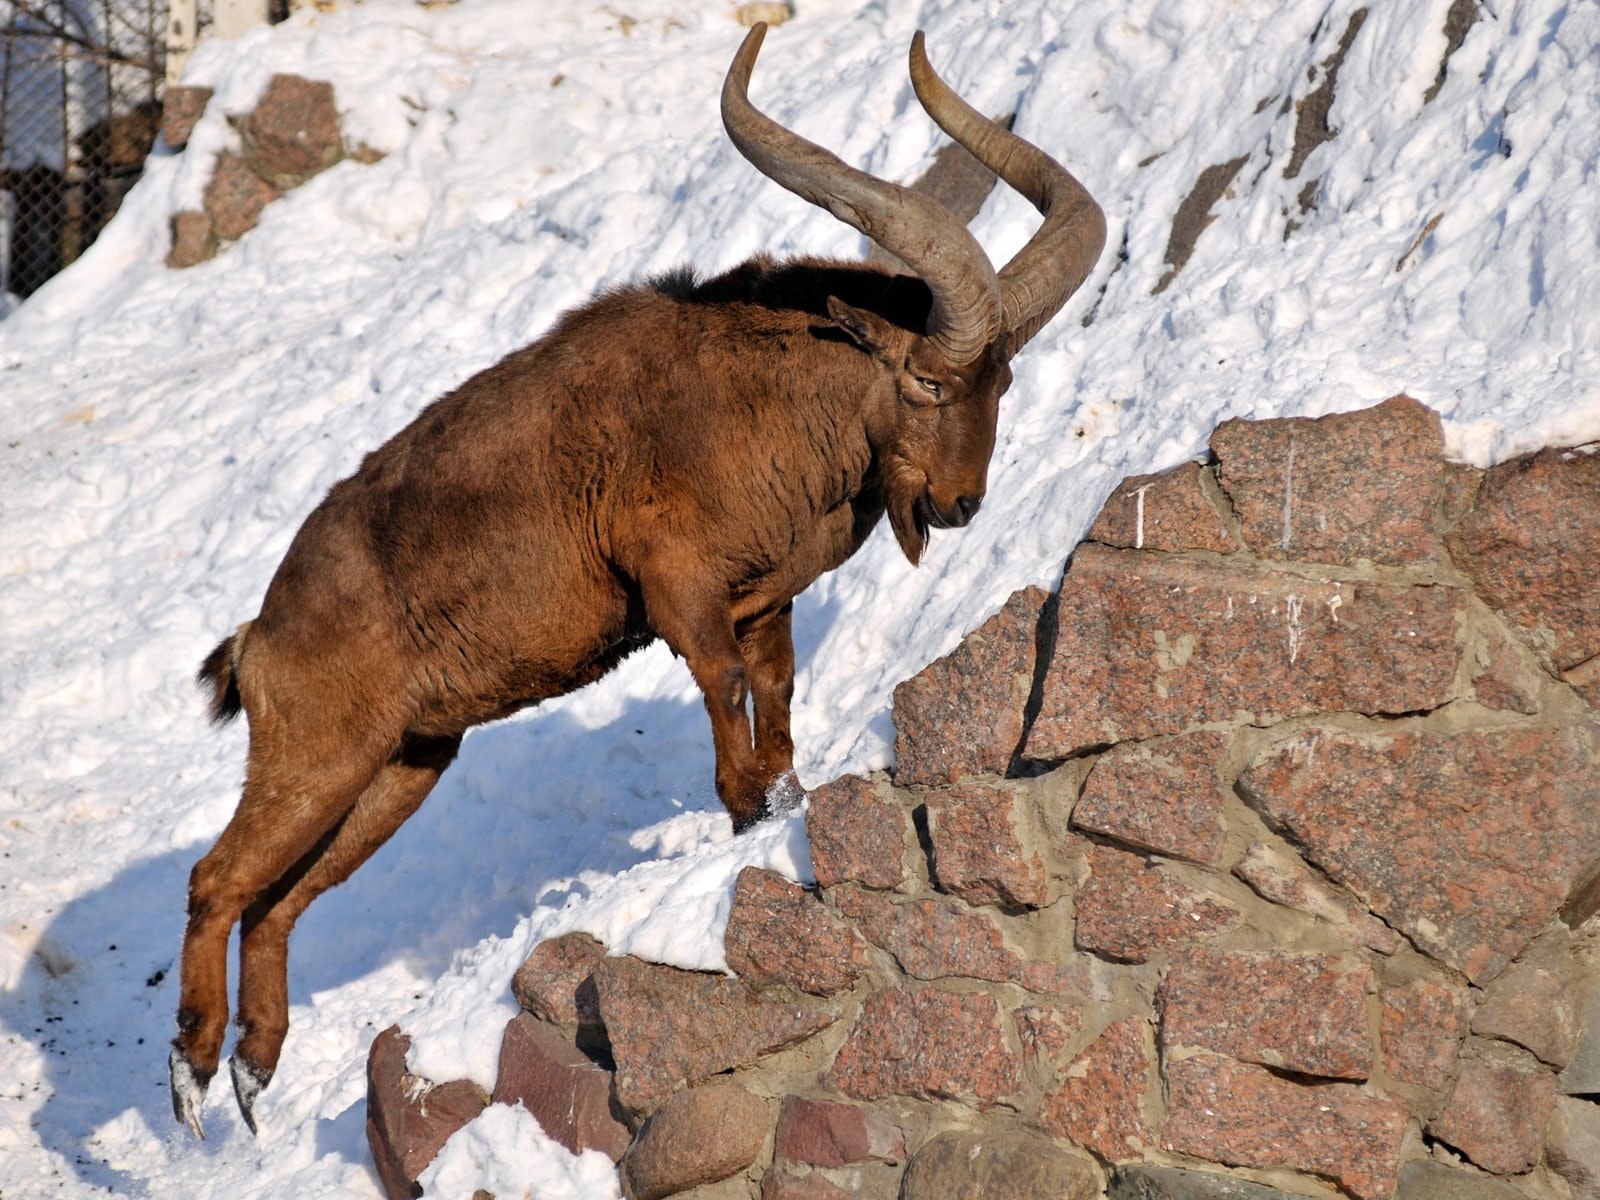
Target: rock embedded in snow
<point x="181" y="107"/>
<point x="235" y="197"/>
<point x="570" y="1095"/>
<point x="409" y="1118"/>
<point x="780" y="933"/>
<point x="292" y="133"/>
<point x="857" y="833"/>
<point x="670" y="1028"/>
<point x="556" y="981"/>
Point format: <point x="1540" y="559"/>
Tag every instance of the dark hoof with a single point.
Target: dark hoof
<point x="750" y="819"/>
<point x="248" y="1080"/>
<point x="188" y="1091"/>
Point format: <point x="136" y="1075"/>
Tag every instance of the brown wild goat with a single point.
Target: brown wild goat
<point x="677" y="459"/>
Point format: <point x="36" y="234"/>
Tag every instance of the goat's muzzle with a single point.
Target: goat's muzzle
<point x="931" y="516"/>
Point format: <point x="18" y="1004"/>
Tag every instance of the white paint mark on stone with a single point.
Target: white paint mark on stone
<point x="1138" y="518"/>
<point x="1296" y="630"/>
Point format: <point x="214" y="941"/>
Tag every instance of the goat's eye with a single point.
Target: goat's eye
<point x="931" y="386"/>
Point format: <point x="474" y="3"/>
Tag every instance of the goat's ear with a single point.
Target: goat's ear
<point x="866" y="329"/>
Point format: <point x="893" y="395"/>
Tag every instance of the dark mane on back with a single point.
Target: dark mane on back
<point x="804" y="285"/>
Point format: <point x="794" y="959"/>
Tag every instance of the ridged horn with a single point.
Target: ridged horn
<point x="923" y="234"/>
<point x="1058" y="258"/>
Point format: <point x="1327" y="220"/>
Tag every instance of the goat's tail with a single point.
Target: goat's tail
<point x="220" y="672"/>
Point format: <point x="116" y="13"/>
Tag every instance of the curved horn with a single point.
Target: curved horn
<point x="918" y="231"/>
<point x="1058" y="258"/>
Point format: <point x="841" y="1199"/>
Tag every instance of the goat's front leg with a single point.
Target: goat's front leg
<point x="692" y="614"/>
<point x="767" y="645"/>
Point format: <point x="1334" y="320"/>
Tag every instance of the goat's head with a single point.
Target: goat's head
<point x="947" y="380"/>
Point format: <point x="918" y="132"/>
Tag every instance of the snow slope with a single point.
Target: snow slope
<point x="163" y="433"/>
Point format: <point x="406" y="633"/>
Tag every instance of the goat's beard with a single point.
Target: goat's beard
<point x="904" y="490"/>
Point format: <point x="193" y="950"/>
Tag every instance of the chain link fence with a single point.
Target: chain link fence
<point x="80" y="107"/>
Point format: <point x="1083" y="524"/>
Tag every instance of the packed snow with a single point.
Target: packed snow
<point x="163" y="433"/>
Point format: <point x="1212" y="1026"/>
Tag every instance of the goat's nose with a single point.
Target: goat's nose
<point x="968" y="507"/>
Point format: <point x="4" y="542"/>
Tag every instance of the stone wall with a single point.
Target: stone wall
<point x="1256" y="861"/>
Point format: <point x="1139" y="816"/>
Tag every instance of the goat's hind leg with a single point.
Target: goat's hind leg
<point x="396" y="792"/>
<point x="277" y="824"/>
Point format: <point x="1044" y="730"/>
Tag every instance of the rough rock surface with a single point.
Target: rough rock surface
<point x="1337" y="489"/>
<point x="1176" y="1183"/>
<point x="564" y="1090"/>
<point x="780" y="933"/>
<point x="1531" y="546"/>
<point x="669" y="1027"/>
<point x="1305" y="1013"/>
<point x="1164" y="797"/>
<point x="981" y="842"/>
<point x="1534" y="1004"/>
<point x="181" y="107"/>
<point x="1424" y="1023"/>
<point x="293" y="131"/>
<point x="857" y="833"/>
<point x="699" y="1136"/>
<point x="194" y="240"/>
<point x="963" y="714"/>
<point x="1424" y="1180"/>
<point x="1572" y="1146"/>
<point x="556" y="981"/>
<point x="1150" y="645"/>
<point x="927" y="1043"/>
<point x="235" y="197"/>
<point x="1099" y="1102"/>
<point x="1169" y="511"/>
<point x="1242" y="1115"/>
<point x="1496" y="1114"/>
<point x="969" y="1165"/>
<point x="933" y="939"/>
<point x="824" y="1133"/>
<point x="1131" y="909"/>
<point x="1401" y="817"/>
<point x="1277" y="875"/>
<point x="410" y="1118"/>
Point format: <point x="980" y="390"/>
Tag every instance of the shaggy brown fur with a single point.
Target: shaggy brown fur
<point x="675" y="460"/>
